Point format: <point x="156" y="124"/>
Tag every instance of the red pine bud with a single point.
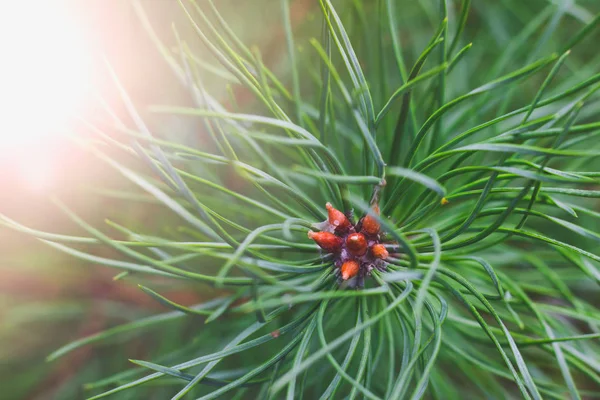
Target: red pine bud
<point x="379" y="251"/>
<point x="370" y="226"/>
<point x="327" y="241"/>
<point x="337" y="219"/>
<point x="349" y="269"/>
<point x="357" y="244"/>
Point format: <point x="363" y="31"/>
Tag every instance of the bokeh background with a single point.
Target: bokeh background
<point x="53" y="65"/>
<point x="48" y="298"/>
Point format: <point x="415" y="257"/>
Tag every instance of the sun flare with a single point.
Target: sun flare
<point x="44" y="76"/>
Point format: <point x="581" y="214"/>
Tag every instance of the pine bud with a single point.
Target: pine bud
<point x="349" y="269"/>
<point x="370" y="226"/>
<point x="327" y="241"/>
<point x="337" y="219"/>
<point x="357" y="244"/>
<point x="379" y="251"/>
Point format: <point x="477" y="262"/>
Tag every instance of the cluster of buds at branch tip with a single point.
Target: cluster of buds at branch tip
<point x="357" y="249"/>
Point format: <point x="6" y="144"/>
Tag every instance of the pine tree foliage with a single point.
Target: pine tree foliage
<point x="473" y="126"/>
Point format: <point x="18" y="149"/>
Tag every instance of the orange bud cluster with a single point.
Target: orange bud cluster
<point x="356" y="249"/>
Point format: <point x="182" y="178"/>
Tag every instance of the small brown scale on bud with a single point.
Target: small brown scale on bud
<point x="357" y="248"/>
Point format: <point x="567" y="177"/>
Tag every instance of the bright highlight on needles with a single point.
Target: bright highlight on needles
<point x="44" y="74"/>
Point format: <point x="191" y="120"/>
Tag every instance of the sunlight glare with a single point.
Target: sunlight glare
<point x="44" y="76"/>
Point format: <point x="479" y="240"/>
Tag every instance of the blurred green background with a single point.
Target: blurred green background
<point x="48" y="298"/>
